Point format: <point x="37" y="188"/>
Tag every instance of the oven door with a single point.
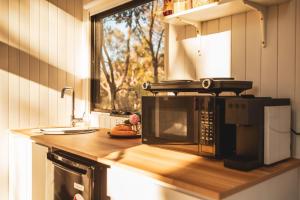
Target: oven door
<point x="170" y="120"/>
<point x="72" y="179"/>
<point x="69" y="184"/>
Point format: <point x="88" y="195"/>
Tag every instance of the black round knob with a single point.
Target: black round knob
<point x="146" y="85"/>
<point x="206" y="83"/>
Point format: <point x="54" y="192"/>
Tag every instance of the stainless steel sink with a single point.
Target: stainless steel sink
<point x="67" y="131"/>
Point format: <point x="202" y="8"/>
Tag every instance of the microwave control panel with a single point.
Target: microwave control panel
<point x="207" y="136"/>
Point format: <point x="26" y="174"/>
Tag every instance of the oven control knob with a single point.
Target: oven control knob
<point x="207" y="83"/>
<point x="146" y="86"/>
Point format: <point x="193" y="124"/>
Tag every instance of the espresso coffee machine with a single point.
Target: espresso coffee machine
<point x="262" y="131"/>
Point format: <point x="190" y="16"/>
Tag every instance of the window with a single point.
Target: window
<point x="128" y="50"/>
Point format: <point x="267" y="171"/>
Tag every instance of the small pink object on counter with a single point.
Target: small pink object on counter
<point x="134" y="119"/>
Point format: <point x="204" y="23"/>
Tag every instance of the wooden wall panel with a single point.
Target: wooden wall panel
<point x="225" y="24"/>
<point x="190" y="31"/>
<point x="79" y="71"/>
<point x="275" y="69"/>
<point x="14" y="63"/>
<point x="286" y="52"/>
<point x="204" y="28"/>
<point x="43" y="61"/>
<point x="70" y="52"/>
<point x="253" y="51"/>
<point x="286" y="42"/>
<point x="34" y="62"/>
<point x="37" y="58"/>
<point x="24" y="63"/>
<point x="4" y="86"/>
<point x="176" y="56"/>
<point x="269" y="65"/>
<point x="62" y="60"/>
<point x="53" y="68"/>
<point x="238" y="47"/>
<point x="212" y="26"/>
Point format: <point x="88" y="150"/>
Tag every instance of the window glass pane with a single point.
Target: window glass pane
<point x="132" y="53"/>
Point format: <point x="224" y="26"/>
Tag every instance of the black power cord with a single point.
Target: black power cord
<point x="294" y="132"/>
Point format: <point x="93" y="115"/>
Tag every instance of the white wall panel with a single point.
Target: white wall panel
<point x="53" y="68"/>
<point x="4" y="98"/>
<point x="238" y="46"/>
<point x="274" y="70"/>
<point x="34" y="65"/>
<point x="269" y="67"/>
<point x="37" y="58"/>
<point x="44" y="63"/>
<point x="14" y="63"/>
<point x="62" y="60"/>
<point x="286" y="51"/>
<point x="253" y="51"/>
<point x="24" y="63"/>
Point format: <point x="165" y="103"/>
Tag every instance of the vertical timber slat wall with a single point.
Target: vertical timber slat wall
<point x="40" y="52"/>
<point x="275" y="69"/>
<point x="53" y="69"/>
<point x="4" y="99"/>
<point x="44" y="63"/>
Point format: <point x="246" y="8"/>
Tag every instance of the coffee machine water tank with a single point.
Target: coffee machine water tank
<point x="262" y="131"/>
<point x="277" y="128"/>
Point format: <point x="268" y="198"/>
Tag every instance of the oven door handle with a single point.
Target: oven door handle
<point x="69" y="168"/>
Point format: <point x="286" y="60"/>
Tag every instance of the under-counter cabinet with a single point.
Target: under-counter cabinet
<point x="124" y="184"/>
<point x="145" y="172"/>
<point x="155" y="173"/>
<point x="30" y="173"/>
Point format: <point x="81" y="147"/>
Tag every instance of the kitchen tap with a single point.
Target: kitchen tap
<point x="74" y="120"/>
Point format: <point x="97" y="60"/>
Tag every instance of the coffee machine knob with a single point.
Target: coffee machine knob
<point x="146" y="85"/>
<point x="207" y="83"/>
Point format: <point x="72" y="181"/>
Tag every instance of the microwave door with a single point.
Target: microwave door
<point x="174" y="120"/>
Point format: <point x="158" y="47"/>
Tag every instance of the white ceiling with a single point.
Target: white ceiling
<point x="98" y="6"/>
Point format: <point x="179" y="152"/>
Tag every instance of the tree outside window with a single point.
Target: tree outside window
<point x="131" y="53"/>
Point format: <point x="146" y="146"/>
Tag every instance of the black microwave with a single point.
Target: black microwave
<point x="194" y="124"/>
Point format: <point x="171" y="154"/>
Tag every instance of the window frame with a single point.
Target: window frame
<point x="96" y="28"/>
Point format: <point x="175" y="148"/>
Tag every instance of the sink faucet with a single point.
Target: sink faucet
<point x="74" y="120"/>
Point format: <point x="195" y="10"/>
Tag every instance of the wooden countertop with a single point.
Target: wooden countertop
<point x="188" y="173"/>
<point x="92" y="145"/>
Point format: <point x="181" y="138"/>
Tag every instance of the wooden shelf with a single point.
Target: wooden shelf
<point x="207" y="12"/>
<point x="220" y="9"/>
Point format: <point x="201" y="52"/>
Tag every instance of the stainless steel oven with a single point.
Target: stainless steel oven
<point x="77" y="178"/>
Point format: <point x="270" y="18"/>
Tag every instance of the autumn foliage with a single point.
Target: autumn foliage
<point x="132" y="52"/>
